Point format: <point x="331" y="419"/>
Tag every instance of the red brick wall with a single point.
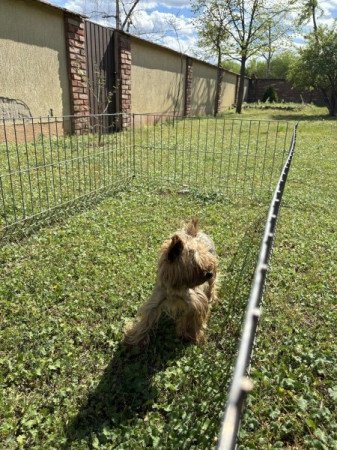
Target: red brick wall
<point x="75" y="44"/>
<point x="188" y="86"/>
<point x="285" y="91"/>
<point x="124" y="47"/>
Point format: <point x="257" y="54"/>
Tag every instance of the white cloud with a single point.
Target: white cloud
<point x="161" y="26"/>
<point x="108" y="6"/>
<point x="154" y="21"/>
<point x="176" y="32"/>
<point x="161" y="22"/>
<point x="179" y="4"/>
<point x="326" y="13"/>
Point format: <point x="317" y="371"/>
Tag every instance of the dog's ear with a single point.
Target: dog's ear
<point x="193" y="227"/>
<point x="175" y="248"/>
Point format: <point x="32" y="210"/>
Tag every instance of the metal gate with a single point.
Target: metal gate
<point x="103" y="82"/>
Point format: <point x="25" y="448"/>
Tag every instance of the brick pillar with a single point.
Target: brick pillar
<point x="77" y="69"/>
<point x="188" y="86"/>
<point x="124" y="50"/>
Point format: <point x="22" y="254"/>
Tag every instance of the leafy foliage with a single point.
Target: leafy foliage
<point x="279" y="66"/>
<point x="316" y="67"/>
<point x="231" y="65"/>
<point x="308" y="10"/>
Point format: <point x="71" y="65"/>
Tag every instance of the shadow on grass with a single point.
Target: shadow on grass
<point x="125" y="391"/>
<point x="304" y="118"/>
<point x="235" y="289"/>
<point x="21" y="230"/>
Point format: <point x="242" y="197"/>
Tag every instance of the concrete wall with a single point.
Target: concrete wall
<point x="40" y="44"/>
<point x="33" y="61"/>
<point x="203" y="89"/>
<point x="157" y="79"/>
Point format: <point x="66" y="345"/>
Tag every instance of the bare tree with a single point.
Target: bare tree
<point x="122" y="21"/>
<point x="212" y="34"/>
<point x="128" y="15"/>
<point x="276" y="38"/>
<point x="244" y="28"/>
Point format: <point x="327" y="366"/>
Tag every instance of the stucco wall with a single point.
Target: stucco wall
<point x="33" y="64"/>
<point x="203" y="88"/>
<point x="228" y="90"/>
<point x="157" y="79"/>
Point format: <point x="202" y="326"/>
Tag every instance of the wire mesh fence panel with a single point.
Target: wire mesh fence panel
<point x="44" y="167"/>
<point x="231" y="156"/>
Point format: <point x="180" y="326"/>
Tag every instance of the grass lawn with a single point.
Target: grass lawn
<point x="66" y="294"/>
<point x="294" y="403"/>
<point x="67" y="291"/>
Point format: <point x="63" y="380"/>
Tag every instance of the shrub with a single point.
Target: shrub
<point x="270" y="95"/>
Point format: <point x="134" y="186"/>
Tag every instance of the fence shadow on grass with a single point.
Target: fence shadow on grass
<point x="57" y="215"/>
<point x="125" y="391"/>
<point x="234" y="292"/>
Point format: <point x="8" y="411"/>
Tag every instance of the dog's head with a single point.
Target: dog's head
<point x="186" y="260"/>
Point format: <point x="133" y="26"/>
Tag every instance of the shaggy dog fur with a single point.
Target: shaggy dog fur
<point x="185" y="287"/>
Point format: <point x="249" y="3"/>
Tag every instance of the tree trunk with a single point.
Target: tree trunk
<point x="218" y="85"/>
<point x="269" y="53"/>
<point x="217" y="99"/>
<point x="241" y="85"/>
<point x="268" y="68"/>
<point x="313" y="12"/>
<point x="330" y="100"/>
<point x="333" y="105"/>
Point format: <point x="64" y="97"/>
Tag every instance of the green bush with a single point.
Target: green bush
<point x="270" y="95"/>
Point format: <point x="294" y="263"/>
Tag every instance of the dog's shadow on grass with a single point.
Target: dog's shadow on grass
<point x="125" y="390"/>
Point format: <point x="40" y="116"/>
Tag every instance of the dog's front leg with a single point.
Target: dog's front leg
<point x="148" y="316"/>
<point x="192" y="324"/>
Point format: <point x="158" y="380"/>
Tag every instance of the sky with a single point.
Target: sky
<point x="168" y="22"/>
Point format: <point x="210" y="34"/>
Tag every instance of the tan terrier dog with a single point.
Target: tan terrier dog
<point x="185" y="287"/>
